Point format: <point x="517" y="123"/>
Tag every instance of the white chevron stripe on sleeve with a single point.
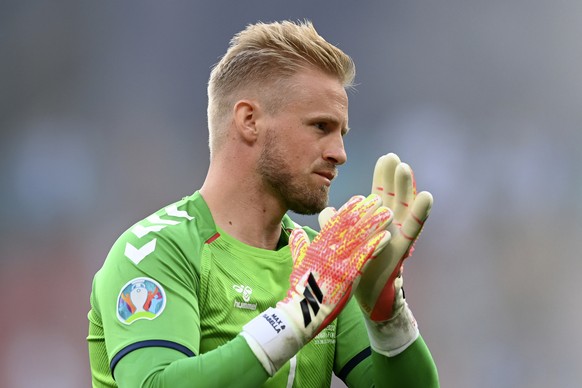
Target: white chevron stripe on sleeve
<point x="137" y="255"/>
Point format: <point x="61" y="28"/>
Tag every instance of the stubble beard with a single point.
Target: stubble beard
<point x="299" y="197"/>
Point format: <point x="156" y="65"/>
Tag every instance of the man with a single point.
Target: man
<point x="223" y="289"/>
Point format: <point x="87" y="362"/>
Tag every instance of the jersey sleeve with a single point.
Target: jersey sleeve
<point x="144" y="323"/>
<point x="357" y="365"/>
<point x="145" y="295"/>
<point x="414" y="367"/>
<point x="232" y="364"/>
<point x="352" y="352"/>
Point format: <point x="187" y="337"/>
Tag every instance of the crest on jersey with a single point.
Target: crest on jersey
<point x="140" y="298"/>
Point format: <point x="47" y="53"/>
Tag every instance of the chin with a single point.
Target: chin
<point x="309" y="207"/>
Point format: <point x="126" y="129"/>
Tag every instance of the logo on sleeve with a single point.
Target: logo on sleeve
<point x="140" y="298"/>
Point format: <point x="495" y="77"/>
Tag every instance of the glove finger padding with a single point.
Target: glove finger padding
<point x="298" y="243"/>
<point x="419" y="211"/>
<point x="377" y="290"/>
<point x="383" y="181"/>
<point x="325" y="215"/>
<point x="390" y="323"/>
<point x="404" y="192"/>
<point x="347" y="241"/>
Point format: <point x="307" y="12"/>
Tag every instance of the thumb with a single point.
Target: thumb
<point x="298" y="243"/>
<point x="325" y="216"/>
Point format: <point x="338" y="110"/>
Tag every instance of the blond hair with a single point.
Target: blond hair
<point x="260" y="59"/>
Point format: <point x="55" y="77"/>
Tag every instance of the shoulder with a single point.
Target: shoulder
<point x="165" y="246"/>
<point x="174" y="234"/>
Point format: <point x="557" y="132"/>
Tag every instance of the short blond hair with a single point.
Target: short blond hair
<point x="260" y="59"/>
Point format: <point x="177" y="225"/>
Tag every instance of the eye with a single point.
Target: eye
<point x="323" y="126"/>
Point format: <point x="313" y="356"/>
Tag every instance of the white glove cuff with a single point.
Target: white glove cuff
<point x="272" y="338"/>
<point x="393" y="336"/>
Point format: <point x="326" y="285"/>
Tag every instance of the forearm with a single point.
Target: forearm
<point x="233" y="364"/>
<point x="414" y="367"/>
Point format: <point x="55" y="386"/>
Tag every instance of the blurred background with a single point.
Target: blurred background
<point x="103" y="121"/>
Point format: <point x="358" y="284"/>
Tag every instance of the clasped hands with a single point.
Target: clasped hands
<point x="379" y="292"/>
<point x="359" y="251"/>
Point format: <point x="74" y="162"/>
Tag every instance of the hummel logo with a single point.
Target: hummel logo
<point x="310" y="300"/>
<point x="246" y="292"/>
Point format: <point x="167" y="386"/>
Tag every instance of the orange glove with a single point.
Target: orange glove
<point x="324" y="275"/>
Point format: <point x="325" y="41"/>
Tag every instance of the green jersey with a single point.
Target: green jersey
<point x="174" y="286"/>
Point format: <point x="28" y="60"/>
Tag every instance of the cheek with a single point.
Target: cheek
<point x="300" y="148"/>
<point x="307" y="156"/>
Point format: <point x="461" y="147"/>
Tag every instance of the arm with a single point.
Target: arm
<point x="357" y="365"/>
<point x="414" y="367"/>
<point x="233" y="364"/>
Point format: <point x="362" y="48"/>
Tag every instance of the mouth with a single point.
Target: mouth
<point x="328" y="176"/>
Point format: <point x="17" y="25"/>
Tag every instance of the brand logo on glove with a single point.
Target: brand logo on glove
<point x="310" y="299"/>
<point x="275" y="322"/>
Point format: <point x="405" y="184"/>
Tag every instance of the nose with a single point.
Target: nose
<point x="335" y="151"/>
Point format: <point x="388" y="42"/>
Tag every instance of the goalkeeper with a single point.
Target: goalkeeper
<point x="223" y="289"/>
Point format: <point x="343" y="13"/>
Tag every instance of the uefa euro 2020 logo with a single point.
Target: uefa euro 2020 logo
<point x="140" y="298"/>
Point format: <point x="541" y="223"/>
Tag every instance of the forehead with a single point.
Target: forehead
<point x="315" y="91"/>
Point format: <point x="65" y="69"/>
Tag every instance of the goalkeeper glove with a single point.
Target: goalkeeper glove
<point x="324" y="274"/>
<point x="391" y="325"/>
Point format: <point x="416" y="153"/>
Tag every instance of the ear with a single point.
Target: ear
<point x="246" y="114"/>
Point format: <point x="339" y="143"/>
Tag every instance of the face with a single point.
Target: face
<point x="303" y="142"/>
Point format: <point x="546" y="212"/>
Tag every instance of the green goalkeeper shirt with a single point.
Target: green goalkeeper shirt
<point x="173" y="294"/>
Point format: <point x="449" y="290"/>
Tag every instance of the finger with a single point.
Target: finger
<point x="377" y="220"/>
<point x="363" y="210"/>
<point x="375" y="274"/>
<point x="343" y="218"/>
<point x="325" y="216"/>
<point x="352" y="268"/>
<point x="383" y="180"/>
<point x="380" y="244"/>
<point x="419" y="211"/>
<point x="351" y="204"/>
<point x="369" y="226"/>
<point x="404" y="192"/>
<point x="298" y="243"/>
<point x="375" y="244"/>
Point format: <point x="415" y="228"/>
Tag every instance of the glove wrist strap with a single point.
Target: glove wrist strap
<point x="272" y="338"/>
<point x="393" y="336"/>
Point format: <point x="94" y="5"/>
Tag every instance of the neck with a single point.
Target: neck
<point x="241" y="207"/>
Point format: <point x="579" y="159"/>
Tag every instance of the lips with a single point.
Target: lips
<point x="328" y="175"/>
